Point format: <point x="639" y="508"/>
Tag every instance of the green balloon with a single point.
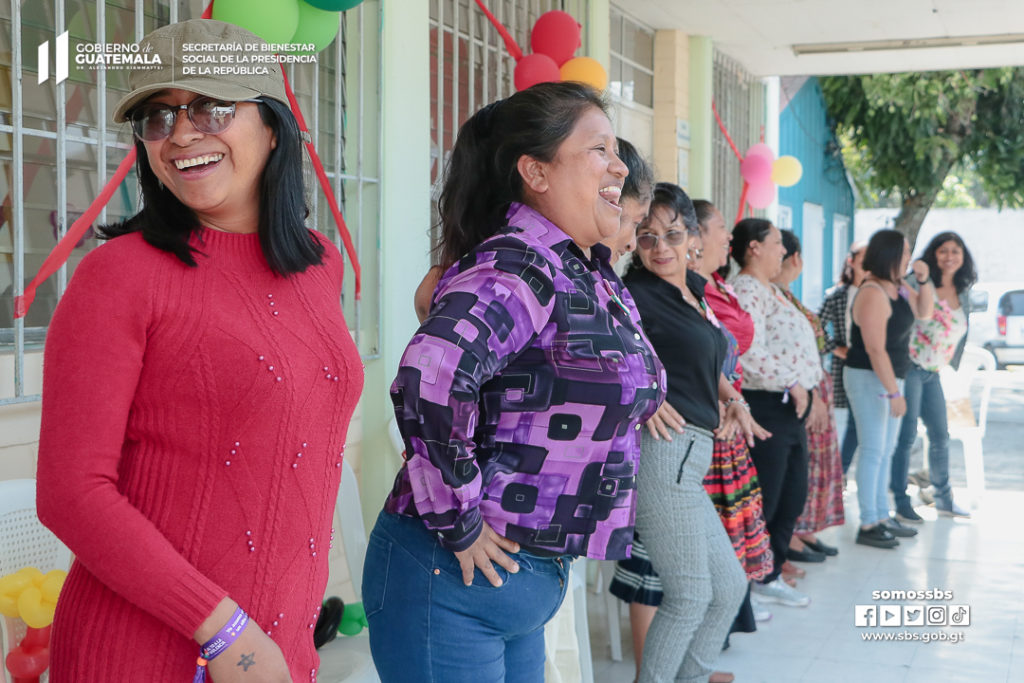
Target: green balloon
<point x="316" y="26"/>
<point x="334" y="5"/>
<point x="274" y="21"/>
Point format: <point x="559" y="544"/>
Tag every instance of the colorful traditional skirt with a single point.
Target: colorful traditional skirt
<point x="824" y="507"/>
<point x="732" y="483"/>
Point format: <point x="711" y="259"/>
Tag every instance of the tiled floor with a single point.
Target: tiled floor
<point x="980" y="560"/>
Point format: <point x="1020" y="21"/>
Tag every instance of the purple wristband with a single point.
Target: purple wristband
<point x="220" y="642"/>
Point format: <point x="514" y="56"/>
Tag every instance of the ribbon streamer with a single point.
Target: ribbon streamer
<point x="66" y="245"/>
<point x="510" y="43"/>
<point x="325" y="185"/>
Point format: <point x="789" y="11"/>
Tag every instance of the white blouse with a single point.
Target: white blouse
<point x="784" y="349"/>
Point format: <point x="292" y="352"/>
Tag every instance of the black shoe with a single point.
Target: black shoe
<point x="805" y="555"/>
<point x="824" y="548"/>
<point x="895" y="528"/>
<point x="877" y="537"/>
<point x="906" y="514"/>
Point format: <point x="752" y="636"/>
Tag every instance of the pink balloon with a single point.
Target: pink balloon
<point x="756" y="169"/>
<point x="761" y="195"/>
<point x="537" y="68"/>
<point x="761" y="150"/>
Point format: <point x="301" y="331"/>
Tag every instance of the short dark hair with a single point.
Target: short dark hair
<point x="746" y="231"/>
<point x="639" y="184"/>
<point x="791" y="242"/>
<point x="965" y="277"/>
<point x="675" y="200"/>
<point x="287" y="244"/>
<point x="482" y="179"/>
<point x="884" y="254"/>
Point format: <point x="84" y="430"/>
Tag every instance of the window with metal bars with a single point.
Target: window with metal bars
<point x="631" y="80"/>
<point x="740" y="99"/>
<point x="58" y="148"/>
<point x="470" y="67"/>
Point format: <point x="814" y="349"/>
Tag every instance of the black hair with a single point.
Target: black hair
<point x="847" y="276"/>
<point x="884" y="255"/>
<point x="746" y="231"/>
<point x="482" y="177"/>
<point x="675" y="200"/>
<point x="963" y="278"/>
<point x="639" y="184"/>
<point x="705" y="210"/>
<point x="791" y="242"/>
<point x="287" y="244"/>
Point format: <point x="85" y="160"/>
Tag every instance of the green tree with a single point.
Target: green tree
<point x="905" y="133"/>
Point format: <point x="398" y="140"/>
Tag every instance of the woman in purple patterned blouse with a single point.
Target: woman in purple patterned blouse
<point x="520" y="400"/>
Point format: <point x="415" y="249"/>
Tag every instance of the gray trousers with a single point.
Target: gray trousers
<point x="703" y="581"/>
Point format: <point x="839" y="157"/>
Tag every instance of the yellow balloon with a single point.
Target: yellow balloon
<point x="786" y="171"/>
<point x="9" y="606"/>
<point x="33" y="611"/>
<point x="585" y="70"/>
<point x="52" y="584"/>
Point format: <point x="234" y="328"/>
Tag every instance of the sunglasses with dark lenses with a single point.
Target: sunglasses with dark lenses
<point x="154" y="122"/>
<point x="649" y="240"/>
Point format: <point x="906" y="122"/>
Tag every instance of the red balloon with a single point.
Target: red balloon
<point x="28" y="662"/>
<point x="557" y="35"/>
<point x="534" y="69"/>
<point x="36" y="637"/>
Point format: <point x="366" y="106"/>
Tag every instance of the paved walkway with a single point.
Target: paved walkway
<point x="980" y="560"/>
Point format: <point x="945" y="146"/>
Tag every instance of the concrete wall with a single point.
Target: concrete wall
<point x="995" y="238"/>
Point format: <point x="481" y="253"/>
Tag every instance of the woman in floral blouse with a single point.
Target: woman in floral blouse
<point x="780" y="372"/>
<point x="824" y="507"/>
<point x="934" y="343"/>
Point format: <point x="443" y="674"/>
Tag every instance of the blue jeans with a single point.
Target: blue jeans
<point x="846" y="431"/>
<point x="427" y="626"/>
<point x="877" y="430"/>
<point x="925" y="400"/>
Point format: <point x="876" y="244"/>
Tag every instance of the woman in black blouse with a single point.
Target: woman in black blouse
<point x="703" y="582"/>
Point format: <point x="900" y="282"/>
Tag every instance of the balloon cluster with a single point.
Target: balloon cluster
<point x="761" y="172"/>
<point x="554" y="38"/>
<point x="310" y="22"/>
<point x="30" y="595"/>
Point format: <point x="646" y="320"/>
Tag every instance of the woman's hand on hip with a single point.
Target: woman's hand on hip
<point x="663" y="420"/>
<point x="489" y="547"/>
<point x="898" y="406"/>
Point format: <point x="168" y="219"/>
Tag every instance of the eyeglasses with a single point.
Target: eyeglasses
<point x="155" y="122"/>
<point x="694" y="254"/>
<point x="649" y="240"/>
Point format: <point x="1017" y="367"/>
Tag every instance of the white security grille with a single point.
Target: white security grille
<point x="739" y="98"/>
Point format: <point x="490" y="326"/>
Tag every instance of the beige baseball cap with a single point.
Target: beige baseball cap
<point x="207" y="57"/>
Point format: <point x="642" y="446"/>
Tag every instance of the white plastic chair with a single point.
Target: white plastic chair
<point x="956" y="385"/>
<point x="612" y="607"/>
<point x="347" y="658"/>
<point x="24" y="542"/>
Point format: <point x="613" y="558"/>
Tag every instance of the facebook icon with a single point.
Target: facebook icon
<point x="865" y="615"/>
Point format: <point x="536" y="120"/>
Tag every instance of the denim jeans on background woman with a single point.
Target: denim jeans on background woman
<point x="877" y="431"/>
<point x="427" y="626"/>
<point x="925" y="400"/>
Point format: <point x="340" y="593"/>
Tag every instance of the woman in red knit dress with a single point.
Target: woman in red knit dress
<point x="199" y="380"/>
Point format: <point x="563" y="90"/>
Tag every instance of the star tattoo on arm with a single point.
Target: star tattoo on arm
<point x="247" y="660"/>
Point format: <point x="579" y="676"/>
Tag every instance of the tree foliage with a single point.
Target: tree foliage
<point x="905" y="133"/>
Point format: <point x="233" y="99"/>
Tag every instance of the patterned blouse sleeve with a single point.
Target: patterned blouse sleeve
<point x="833" y="312"/>
<point x="482" y="318"/>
